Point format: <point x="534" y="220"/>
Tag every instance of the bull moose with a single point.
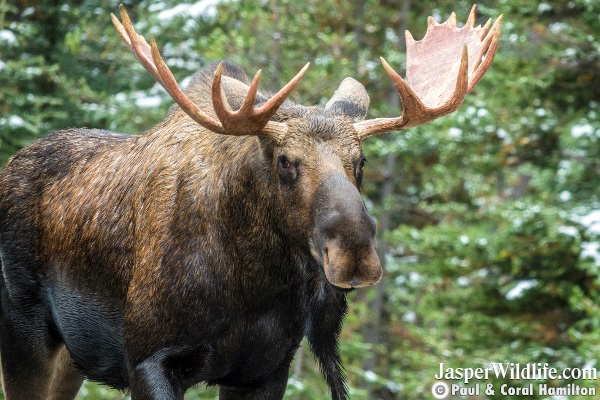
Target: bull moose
<point x="205" y="249"/>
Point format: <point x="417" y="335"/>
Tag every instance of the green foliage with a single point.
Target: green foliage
<point x="489" y="256"/>
<point x="62" y="66"/>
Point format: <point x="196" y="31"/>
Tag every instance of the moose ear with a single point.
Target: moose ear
<point x="350" y="100"/>
<point x="235" y="92"/>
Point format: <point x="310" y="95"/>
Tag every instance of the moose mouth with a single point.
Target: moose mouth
<point x="322" y="259"/>
<point x="345" y="270"/>
<point x="327" y="268"/>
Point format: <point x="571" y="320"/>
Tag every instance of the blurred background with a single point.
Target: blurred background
<point x="489" y="218"/>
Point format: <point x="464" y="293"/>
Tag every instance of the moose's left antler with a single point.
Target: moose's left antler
<point x="433" y="64"/>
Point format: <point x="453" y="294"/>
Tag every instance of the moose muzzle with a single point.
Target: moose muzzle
<point x="344" y="235"/>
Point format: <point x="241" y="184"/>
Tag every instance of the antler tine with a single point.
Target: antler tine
<point x="471" y="21"/>
<point x="254" y="118"/>
<point x="169" y="82"/>
<point x="151" y="60"/>
<point x="488" y="49"/>
<point x="414" y="112"/>
<point x="429" y="91"/>
<point x="276" y="101"/>
<point x="246" y="121"/>
<point x="136" y="43"/>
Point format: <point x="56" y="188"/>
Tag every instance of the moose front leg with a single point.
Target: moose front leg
<point x="324" y="329"/>
<point x="153" y="380"/>
<point x="271" y="388"/>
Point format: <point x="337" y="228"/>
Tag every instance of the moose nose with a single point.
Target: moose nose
<point x="344" y="235"/>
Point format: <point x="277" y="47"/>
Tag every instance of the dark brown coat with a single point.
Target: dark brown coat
<point x="180" y="255"/>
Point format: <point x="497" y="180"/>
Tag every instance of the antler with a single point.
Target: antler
<point x="245" y="121"/>
<point x="432" y="64"/>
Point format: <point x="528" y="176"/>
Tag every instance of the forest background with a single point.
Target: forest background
<point x="489" y="218"/>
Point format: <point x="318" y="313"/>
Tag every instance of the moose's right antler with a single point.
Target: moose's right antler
<point x="441" y="69"/>
<point x="245" y="121"/>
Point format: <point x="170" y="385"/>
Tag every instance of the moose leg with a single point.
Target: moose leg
<point x="27" y="360"/>
<point x="272" y="388"/>
<point x="66" y="380"/>
<point x="152" y="380"/>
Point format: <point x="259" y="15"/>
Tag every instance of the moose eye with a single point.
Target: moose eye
<point x="284" y="163"/>
<point x="359" y="172"/>
<point x="363" y="161"/>
<point x="288" y="171"/>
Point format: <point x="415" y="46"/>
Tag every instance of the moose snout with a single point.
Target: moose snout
<point x="351" y="267"/>
<point x="344" y="236"/>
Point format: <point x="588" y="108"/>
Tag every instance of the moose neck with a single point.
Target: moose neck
<point x="230" y="178"/>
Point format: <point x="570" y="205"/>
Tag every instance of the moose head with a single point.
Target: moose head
<point x="314" y="155"/>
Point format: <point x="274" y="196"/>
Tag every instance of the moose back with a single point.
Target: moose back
<point x="205" y="249"/>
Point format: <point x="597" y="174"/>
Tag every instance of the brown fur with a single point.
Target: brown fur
<point x="165" y="250"/>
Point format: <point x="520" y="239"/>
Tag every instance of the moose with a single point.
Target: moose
<point x="207" y="248"/>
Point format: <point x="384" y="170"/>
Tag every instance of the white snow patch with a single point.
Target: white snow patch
<point x="455" y="132"/>
<point x="393" y="386"/>
<point x="202" y="8"/>
<point x="565" y="195"/>
<point x="90" y="106"/>
<point x="186" y="81"/>
<point x="296" y="383"/>
<point x="558" y="27"/>
<point x="591" y="221"/>
<point x="15" y="121"/>
<point x="463" y="281"/>
<point x="582" y="130"/>
<point x="591" y="250"/>
<point x="410" y="317"/>
<point x="570" y="52"/>
<point x="370" y="376"/>
<point x="7" y="36"/>
<point x="28" y="11"/>
<point x="543" y="7"/>
<point x="568" y="231"/>
<point x="502" y="134"/>
<point x="415" y="277"/>
<point x="156" y="7"/>
<point x="148" y="101"/>
<point x="141" y="98"/>
<point x="520" y="288"/>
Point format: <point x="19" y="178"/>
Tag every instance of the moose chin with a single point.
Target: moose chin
<point x="205" y="249"/>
